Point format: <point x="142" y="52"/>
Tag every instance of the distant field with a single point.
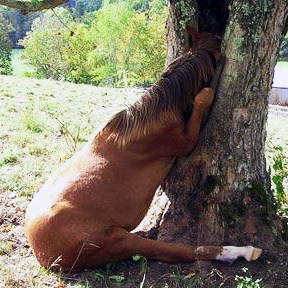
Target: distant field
<point x="19" y="64"/>
<point x="283" y="64"/>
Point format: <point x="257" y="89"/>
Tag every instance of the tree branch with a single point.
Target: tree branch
<point x="34" y="6"/>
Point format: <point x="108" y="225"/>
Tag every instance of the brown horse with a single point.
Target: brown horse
<point x="83" y="214"/>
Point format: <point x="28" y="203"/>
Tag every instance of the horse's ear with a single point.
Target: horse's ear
<point x="193" y="35"/>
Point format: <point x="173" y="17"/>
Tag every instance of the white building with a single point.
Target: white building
<point x="279" y="92"/>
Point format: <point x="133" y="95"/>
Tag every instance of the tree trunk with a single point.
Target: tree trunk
<point x="221" y="193"/>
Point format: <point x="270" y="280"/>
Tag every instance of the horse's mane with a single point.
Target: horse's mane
<point x="174" y="94"/>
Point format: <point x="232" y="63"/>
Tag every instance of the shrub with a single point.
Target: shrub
<point x="58" y="51"/>
<point x="130" y="45"/>
<point x="119" y="47"/>
<point x="278" y="162"/>
<point x="5" y="47"/>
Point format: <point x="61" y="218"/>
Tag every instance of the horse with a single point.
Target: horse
<point x="83" y="214"/>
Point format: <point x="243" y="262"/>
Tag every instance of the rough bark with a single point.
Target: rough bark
<point x="221" y="193"/>
<point x="33" y="6"/>
<point x="181" y="14"/>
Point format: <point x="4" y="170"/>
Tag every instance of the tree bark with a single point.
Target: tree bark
<point x="221" y="193"/>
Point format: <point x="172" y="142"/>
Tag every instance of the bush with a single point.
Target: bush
<point x="5" y="62"/>
<point x="130" y="45"/>
<point x="119" y="47"/>
<point x="5" y="47"/>
<point x="57" y="51"/>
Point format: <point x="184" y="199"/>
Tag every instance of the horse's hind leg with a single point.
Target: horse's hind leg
<point x="122" y="245"/>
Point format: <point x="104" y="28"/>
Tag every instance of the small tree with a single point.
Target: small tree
<point x="115" y="45"/>
<point x="54" y="51"/>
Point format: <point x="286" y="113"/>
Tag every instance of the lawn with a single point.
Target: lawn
<point x="282" y="64"/>
<point x="42" y="123"/>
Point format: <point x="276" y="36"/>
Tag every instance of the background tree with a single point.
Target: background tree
<point x="5" y="46"/>
<point x="21" y="24"/>
<point x="221" y="193"/>
<point x="53" y="51"/>
<point x="116" y="45"/>
<point x="18" y="23"/>
<point x="283" y="53"/>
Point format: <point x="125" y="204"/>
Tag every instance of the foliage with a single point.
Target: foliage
<point x="5" y="61"/>
<point x="117" y="45"/>
<point x="142" y="267"/>
<point x="54" y="50"/>
<point x="279" y="177"/>
<point x="130" y="47"/>
<point x="19" y="24"/>
<point x="5" y="46"/>
<point x="247" y="281"/>
<point x="277" y="159"/>
<point x="81" y="7"/>
<point x="283" y="53"/>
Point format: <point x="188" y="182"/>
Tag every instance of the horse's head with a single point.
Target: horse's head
<point x="205" y="40"/>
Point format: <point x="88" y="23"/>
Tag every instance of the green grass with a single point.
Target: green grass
<point x="19" y="64"/>
<point x="51" y="120"/>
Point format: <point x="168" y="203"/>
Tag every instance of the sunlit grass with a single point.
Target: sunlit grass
<point x="282" y="64"/>
<point x="36" y="120"/>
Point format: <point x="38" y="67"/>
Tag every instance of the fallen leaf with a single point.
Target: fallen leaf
<point x="7" y="229"/>
<point x="59" y="285"/>
<point x="190" y="275"/>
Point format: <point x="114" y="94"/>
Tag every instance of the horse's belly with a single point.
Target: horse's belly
<point x="130" y="191"/>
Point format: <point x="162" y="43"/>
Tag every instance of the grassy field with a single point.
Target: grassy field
<point x="282" y="64"/>
<point x="44" y="122"/>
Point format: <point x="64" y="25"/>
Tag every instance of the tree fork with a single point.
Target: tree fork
<point x="221" y="193"/>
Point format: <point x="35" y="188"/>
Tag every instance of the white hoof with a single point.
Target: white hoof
<point x="252" y="253"/>
<point x="231" y="253"/>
